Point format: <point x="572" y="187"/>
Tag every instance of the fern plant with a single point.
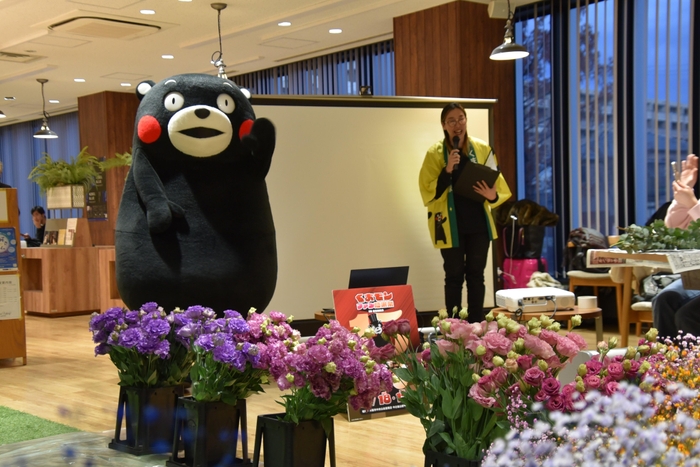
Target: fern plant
<point x="119" y="160"/>
<point x="659" y="237"/>
<point x="82" y="169"/>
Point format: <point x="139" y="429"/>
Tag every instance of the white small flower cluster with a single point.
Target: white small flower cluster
<point x="609" y="431"/>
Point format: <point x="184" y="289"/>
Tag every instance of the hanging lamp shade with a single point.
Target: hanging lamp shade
<point x="509" y="50"/>
<point x="44" y="132"/>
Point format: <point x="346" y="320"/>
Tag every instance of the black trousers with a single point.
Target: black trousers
<point x="466" y="263"/>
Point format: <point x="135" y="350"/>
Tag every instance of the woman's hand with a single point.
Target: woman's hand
<point x="452" y="161"/>
<point x="684" y="195"/>
<point x="486" y="191"/>
<point x="689" y="172"/>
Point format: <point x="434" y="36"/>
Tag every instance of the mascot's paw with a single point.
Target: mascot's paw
<point x="261" y="137"/>
<point x="176" y="209"/>
<point x="159" y="219"/>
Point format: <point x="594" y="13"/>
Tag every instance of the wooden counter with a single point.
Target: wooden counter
<point x="60" y="281"/>
<point x="109" y="295"/>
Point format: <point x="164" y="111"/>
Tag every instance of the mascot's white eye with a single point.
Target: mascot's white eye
<point x="174" y="101"/>
<point x="225" y="103"/>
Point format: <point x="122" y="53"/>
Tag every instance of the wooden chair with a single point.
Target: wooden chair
<point x="641" y="313"/>
<point x="595" y="280"/>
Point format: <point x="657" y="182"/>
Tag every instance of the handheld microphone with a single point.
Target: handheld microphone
<point x="455" y="143"/>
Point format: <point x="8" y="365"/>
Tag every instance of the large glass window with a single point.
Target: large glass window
<point x="603" y="110"/>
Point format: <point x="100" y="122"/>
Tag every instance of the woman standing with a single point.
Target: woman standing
<point x="460" y="227"/>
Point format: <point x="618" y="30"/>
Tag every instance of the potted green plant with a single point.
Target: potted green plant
<point x="66" y="182"/>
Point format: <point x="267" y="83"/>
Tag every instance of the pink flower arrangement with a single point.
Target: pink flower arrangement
<point x="330" y="370"/>
<point x="483" y="366"/>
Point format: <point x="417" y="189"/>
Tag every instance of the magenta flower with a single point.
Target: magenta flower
<point x="533" y="376"/>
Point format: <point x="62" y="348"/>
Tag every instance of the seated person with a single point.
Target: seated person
<point x="668" y="310"/>
<point x="39" y="219"/>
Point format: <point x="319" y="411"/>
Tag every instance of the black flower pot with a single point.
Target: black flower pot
<point x="287" y="444"/>
<point x="438" y="459"/>
<point x="149" y="415"/>
<point x="206" y="434"/>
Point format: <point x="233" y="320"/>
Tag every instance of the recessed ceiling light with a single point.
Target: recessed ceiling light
<point x="79" y="80"/>
<point x="185" y="0"/>
<point x="128" y="85"/>
<point x="2" y="114"/>
<point x="54" y="101"/>
<point x="335" y="31"/>
<point x="167" y="57"/>
<point x="9" y="98"/>
<point x="284" y="23"/>
<point x="148" y="12"/>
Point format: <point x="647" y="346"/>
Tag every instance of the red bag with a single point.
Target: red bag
<point x="517" y="272"/>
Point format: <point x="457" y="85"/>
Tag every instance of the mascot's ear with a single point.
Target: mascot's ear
<point x="143" y="88"/>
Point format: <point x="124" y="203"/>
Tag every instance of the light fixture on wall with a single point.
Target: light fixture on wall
<point x="45" y="132"/>
<point x="509" y="50"/>
<point x="218" y="62"/>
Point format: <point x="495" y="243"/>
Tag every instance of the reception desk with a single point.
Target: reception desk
<point x="61" y="281"/>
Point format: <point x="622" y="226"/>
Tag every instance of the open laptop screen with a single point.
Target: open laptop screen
<point x="378" y="277"/>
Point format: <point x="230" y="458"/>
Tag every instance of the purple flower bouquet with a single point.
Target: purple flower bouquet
<point x="142" y="345"/>
<point x="330" y="370"/>
<point x="232" y="355"/>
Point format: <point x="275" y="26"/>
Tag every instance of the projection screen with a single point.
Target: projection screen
<point x="343" y="187"/>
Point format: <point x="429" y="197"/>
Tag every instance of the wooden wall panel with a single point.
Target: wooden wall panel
<point x="106" y="123"/>
<point x="444" y="52"/>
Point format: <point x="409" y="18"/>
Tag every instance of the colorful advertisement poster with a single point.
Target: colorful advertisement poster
<point x="370" y="307"/>
<point x="8" y="249"/>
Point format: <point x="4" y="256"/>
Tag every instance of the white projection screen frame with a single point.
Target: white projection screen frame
<point x="343" y="187"/>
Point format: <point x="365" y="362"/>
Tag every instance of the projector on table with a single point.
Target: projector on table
<point x="533" y="300"/>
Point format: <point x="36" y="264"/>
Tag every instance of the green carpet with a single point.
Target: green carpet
<point x="16" y="426"/>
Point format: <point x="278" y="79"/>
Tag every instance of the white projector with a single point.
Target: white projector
<point x="535" y="299"/>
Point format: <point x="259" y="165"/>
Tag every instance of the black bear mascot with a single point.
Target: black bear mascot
<point x="195" y="225"/>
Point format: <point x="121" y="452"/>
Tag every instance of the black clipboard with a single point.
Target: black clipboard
<point x="472" y="173"/>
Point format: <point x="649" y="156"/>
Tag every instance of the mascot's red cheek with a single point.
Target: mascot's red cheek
<point x="148" y="129"/>
<point x="245" y="128"/>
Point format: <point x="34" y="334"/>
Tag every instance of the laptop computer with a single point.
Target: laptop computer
<point x="378" y="277"/>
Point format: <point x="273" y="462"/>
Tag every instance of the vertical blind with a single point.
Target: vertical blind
<point x="340" y="73"/>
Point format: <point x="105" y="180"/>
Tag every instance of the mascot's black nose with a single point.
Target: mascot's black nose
<point x="202" y="113"/>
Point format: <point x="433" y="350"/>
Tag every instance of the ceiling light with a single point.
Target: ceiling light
<point x="509" y="50"/>
<point x="45" y="132"/>
<point x="148" y="12"/>
<point x="9" y="98"/>
<point x="2" y="114"/>
<point x="335" y="31"/>
<point x="167" y="57"/>
<point x="54" y="101"/>
<point x="128" y="85"/>
<point x="284" y="23"/>
<point x="217" y="58"/>
<point x="185" y="0"/>
<point x="79" y="80"/>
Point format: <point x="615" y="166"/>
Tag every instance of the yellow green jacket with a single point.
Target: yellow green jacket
<point x="441" y="211"/>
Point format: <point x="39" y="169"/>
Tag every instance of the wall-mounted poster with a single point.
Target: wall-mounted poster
<point x="8" y="249"/>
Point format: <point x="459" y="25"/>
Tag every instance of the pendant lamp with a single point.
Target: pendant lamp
<point x="45" y="132"/>
<point x="509" y="50"/>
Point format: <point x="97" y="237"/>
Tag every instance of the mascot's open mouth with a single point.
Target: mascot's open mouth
<point x="201" y="132"/>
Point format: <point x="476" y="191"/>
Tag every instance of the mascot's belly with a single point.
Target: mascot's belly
<point x="178" y="270"/>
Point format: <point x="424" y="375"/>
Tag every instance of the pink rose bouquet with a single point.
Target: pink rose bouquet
<point x="461" y="386"/>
